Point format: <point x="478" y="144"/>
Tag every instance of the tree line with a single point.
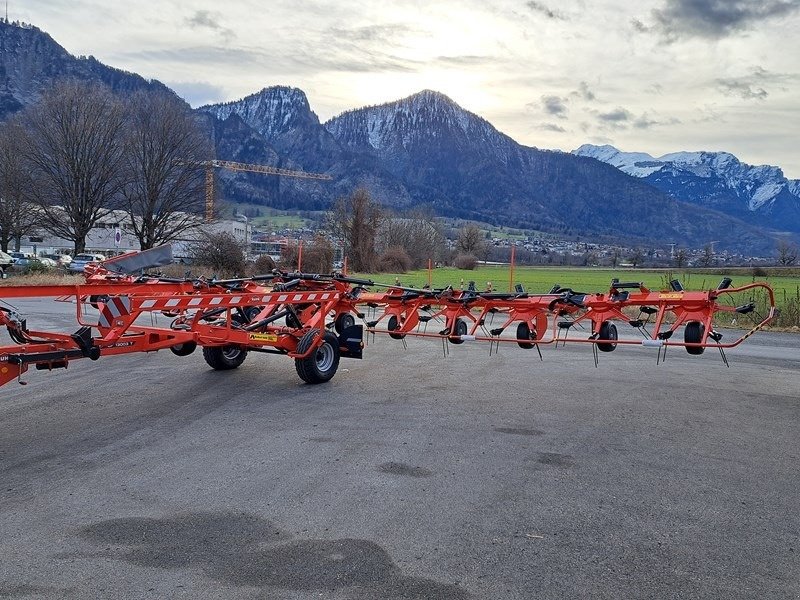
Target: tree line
<point x="81" y="152"/>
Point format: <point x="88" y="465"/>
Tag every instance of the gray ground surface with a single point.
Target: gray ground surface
<point x="410" y="475"/>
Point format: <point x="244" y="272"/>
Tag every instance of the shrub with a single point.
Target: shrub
<point x="263" y="265"/>
<point x="394" y="260"/>
<point x="220" y="252"/>
<point x="318" y="256"/>
<point x="465" y="261"/>
<point x="289" y="254"/>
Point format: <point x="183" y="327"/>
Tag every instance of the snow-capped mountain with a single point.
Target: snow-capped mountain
<point x="760" y="194"/>
<point x="424" y="117"/>
<point x="280" y="119"/>
<point x="461" y="165"/>
<point x="273" y="112"/>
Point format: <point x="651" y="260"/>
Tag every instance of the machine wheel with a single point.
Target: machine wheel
<point x="224" y="358"/>
<point x="343" y="321"/>
<point x="693" y="334"/>
<point x="608" y="331"/>
<point x="524" y="333"/>
<point x="251" y="312"/>
<point x="293" y="322"/>
<point x="459" y="328"/>
<point x="95" y="300"/>
<point x="393" y="324"/>
<point x="320" y="366"/>
<point x="184" y="349"/>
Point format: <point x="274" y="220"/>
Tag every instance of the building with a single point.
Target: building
<point x="113" y="234"/>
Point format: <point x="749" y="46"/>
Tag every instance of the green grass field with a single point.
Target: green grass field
<point x="539" y="280"/>
<point x="270" y="218"/>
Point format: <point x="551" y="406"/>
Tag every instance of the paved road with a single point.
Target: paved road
<point x="410" y="475"/>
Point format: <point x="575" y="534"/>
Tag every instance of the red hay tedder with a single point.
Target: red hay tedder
<point x="312" y="318"/>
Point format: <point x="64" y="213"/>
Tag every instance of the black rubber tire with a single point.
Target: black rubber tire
<point x="393" y="324"/>
<point x="608" y="331"/>
<point x="293" y="322"/>
<point x="459" y="328"/>
<point x="251" y="312"/>
<point x="184" y="349"/>
<point x="693" y="334"/>
<point x="322" y="364"/>
<point x="95" y="300"/>
<point x="224" y="358"/>
<point x="343" y="321"/>
<point x="524" y="333"/>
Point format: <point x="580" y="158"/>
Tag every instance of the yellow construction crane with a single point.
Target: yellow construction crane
<point x="210" y="165"/>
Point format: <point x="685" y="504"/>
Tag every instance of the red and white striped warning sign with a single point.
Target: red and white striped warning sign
<point x="115" y="306"/>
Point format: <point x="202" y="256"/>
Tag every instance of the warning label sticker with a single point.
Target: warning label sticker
<point x="263" y="337"/>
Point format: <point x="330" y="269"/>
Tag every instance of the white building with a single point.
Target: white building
<point x="113" y="234"/>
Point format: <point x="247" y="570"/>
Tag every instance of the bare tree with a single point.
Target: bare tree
<point x="164" y="147"/>
<point x="219" y="251"/>
<point x="18" y="217"/>
<point x="681" y="258"/>
<point x="73" y="145"/>
<point x="355" y="220"/>
<point x="318" y="255"/>
<point x="417" y="233"/>
<point x="471" y="240"/>
<point x="707" y="259"/>
<point x="637" y="257"/>
<point x="787" y="253"/>
<point x="615" y="256"/>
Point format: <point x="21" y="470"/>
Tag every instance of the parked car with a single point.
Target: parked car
<point x="25" y="262"/>
<point x="60" y="259"/>
<point x="21" y="259"/>
<point x="6" y="260"/>
<point x="81" y="260"/>
<point x="48" y="262"/>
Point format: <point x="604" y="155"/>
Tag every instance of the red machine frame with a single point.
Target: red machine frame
<point x="296" y="314"/>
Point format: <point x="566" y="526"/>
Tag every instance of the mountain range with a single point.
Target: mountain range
<point x="718" y="180"/>
<point x="425" y="150"/>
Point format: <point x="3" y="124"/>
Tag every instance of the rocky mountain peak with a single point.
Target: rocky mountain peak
<point x="425" y="118"/>
<point x="273" y="111"/>
<point x="715" y="179"/>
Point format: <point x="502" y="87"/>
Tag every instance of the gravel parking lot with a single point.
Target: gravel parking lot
<point x="409" y="475"/>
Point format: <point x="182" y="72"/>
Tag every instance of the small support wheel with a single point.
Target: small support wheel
<point x="293" y="321"/>
<point x="184" y="349"/>
<point x="392" y="325"/>
<point x="343" y="321"/>
<point x="224" y="358"/>
<point x="251" y="312"/>
<point x="608" y="331"/>
<point x="95" y="300"/>
<point x="524" y="333"/>
<point x="693" y="334"/>
<point x="321" y="365"/>
<point x="459" y="328"/>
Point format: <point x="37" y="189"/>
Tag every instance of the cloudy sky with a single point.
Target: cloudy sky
<point x="664" y="76"/>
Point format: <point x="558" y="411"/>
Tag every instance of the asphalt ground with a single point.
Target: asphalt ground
<point x="409" y="475"/>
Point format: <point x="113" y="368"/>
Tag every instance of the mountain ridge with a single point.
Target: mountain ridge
<point x="31" y="62"/>
<point x="714" y="179"/>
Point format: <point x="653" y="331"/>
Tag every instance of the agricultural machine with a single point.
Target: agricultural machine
<point x="312" y="318"/>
